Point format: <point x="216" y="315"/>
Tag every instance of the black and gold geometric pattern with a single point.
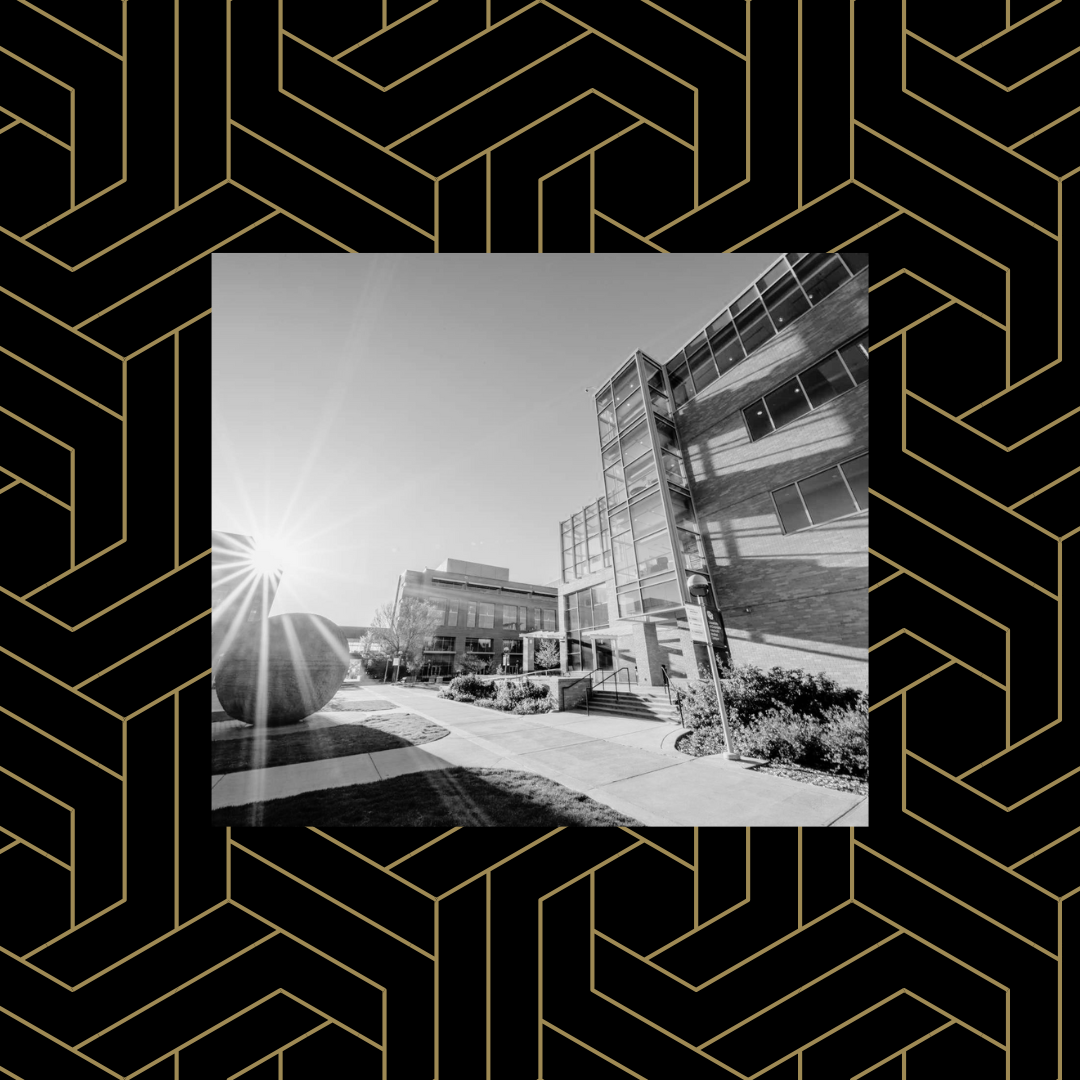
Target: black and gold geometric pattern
<point x="141" y="138"/>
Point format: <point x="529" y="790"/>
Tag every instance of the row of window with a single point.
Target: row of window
<point x="586" y="547"/>
<point x="453" y="584"/>
<point x="472" y="645"/>
<point x="783" y="293"/>
<point x="586" y="608"/>
<point x="839" y="372"/>
<point x="619" y="404"/>
<point x="832" y="493"/>
<point x="482" y="614"/>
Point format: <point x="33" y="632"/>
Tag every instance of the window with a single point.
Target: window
<point x="641" y="475"/>
<point x="787" y="403"/>
<point x="681" y="388"/>
<point x="661" y="595"/>
<point x="754" y="326"/>
<point x="487" y="614"/>
<point x="439" y="644"/>
<point x="451" y="613"/>
<point x="522" y="614"/>
<point x="614" y="484"/>
<point x="786" y="302"/>
<point x="630" y="410"/>
<point x="660" y="403"/>
<point x="725" y="342"/>
<point x="551" y="621"/>
<point x="648" y="515"/>
<point x="512" y="646"/>
<point x="536" y="624"/>
<point x="666" y="436"/>
<point x="623" y="552"/>
<point x="856" y="260"/>
<point x="472" y="615"/>
<point x="673" y="469"/>
<point x="605" y="415"/>
<point x="620" y="520"/>
<point x="478" y="644"/>
<point x="509" y="620"/>
<point x="654" y="555"/>
<point x="825" y="496"/>
<point x="684" y="512"/>
<point x="809" y="389"/>
<point x="821" y="274"/>
<point x="857" y="359"/>
<point x="692" y="554"/>
<point x="586" y="609"/>
<point x="438" y="609"/>
<point x="635" y="442"/>
<point x="699" y="356"/>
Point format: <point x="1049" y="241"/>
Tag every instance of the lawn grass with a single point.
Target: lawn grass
<point x="436" y="798"/>
<point x="252" y="751"/>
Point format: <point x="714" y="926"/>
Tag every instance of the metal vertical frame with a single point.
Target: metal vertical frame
<point x="851" y="494"/>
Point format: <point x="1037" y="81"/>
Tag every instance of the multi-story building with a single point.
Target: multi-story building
<point x="744" y="458"/>
<point x="483" y="613"/>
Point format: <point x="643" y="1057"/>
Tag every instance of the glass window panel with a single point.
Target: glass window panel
<point x="600" y="608"/>
<point x="567" y="574"/>
<point x="630" y="603"/>
<point x="692" y="554"/>
<point x="857" y="357"/>
<point x="757" y="419"/>
<point x="579" y="553"/>
<point x="607" y="557"/>
<point x="722" y="321"/>
<point x="486" y="615"/>
<point x="635" y="442"/>
<point x="613" y="483"/>
<point x="856" y="260"/>
<point x="625" y="384"/>
<point x="648" y="515"/>
<point x="579" y="528"/>
<point x="660" y="403"/>
<point x="611" y="455"/>
<point x="438" y="609"/>
<point x="551" y="621"/>
<point x="451" y="613"/>
<point x="596" y="561"/>
<point x="522" y="616"/>
<point x="745" y="301"/>
<point x="787" y="403"/>
<point x="536" y="623"/>
<point x="820" y="274"/>
<point x="673" y="469"/>
<point x="592" y="522"/>
<point x="479" y="644"/>
<point x="681" y="388"/>
<point x="472" y="615"/>
<point x="661" y="595"/>
<point x="654" y="375"/>
<point x="786" y="302"/>
<point x="585" y="609"/>
<point x="619" y="520"/>
<point x="603" y="399"/>
<point x="654" y="555"/>
<point x="623" y="552"/>
<point x="605" y="419"/>
<point x="825" y="380"/>
<point x="825" y="496"/>
<point x="790" y="508"/>
<point x="572" y="616"/>
<point x="630" y="410"/>
<point x="702" y="366"/>
<point x="667" y="437"/>
<point x="641" y="475"/>
<point x="795" y="256"/>
<point x="726" y="349"/>
<point x="858" y="476"/>
<point x="684" y="513"/>
<point x="754" y="327"/>
<point x="772" y="276"/>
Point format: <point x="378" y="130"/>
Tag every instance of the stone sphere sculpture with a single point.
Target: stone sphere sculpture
<point x="305" y="660"/>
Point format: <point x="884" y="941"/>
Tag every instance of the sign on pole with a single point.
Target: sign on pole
<point x="397" y="661"/>
<point x="696" y="620"/>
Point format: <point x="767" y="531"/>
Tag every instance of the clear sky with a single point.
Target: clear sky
<point x="382" y="412"/>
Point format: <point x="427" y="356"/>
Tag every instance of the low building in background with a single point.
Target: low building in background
<point x="743" y="458"/>
<point x="483" y="612"/>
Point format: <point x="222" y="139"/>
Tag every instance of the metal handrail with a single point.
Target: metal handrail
<point x="614" y="673"/>
<point x="667" y="683"/>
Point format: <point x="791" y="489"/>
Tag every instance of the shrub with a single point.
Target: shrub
<point x="845" y="739"/>
<point x="749" y="692"/>
<point x="782" y="735"/>
<point x="467" y="688"/>
<point x="534" y="705"/>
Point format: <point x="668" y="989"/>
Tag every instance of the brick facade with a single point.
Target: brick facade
<point x="806" y="590"/>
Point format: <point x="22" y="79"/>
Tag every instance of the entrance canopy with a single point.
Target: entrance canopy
<point x="556" y="634"/>
<point x="615" y="630"/>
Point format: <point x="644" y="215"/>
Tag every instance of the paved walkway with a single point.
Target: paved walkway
<point x="628" y="764"/>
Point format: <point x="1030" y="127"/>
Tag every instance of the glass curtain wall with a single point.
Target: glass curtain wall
<point x="586" y="544"/>
<point x="653" y="530"/>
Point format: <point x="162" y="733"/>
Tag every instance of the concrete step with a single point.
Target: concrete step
<point x="633" y="705"/>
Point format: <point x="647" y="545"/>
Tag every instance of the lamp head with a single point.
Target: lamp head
<point x="698" y="585"/>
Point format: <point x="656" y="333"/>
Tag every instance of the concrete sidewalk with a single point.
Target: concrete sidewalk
<point x="628" y="764"/>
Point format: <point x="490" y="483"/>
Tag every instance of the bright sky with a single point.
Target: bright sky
<point x="377" y="413"/>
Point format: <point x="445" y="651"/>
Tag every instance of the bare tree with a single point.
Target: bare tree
<point x="406" y="631"/>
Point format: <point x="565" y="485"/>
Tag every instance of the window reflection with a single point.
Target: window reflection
<point x="681" y="388"/>
<point x="757" y="419"/>
<point x="641" y="475"/>
<point x="613" y="483"/>
<point x="857" y="358"/>
<point x="630" y="410"/>
<point x="648" y="515"/>
<point x="826" y="380"/>
<point x="787" y="403"/>
<point x="635" y="442"/>
<point x="785" y="301"/>
<point x="754" y="327"/>
<point x="673" y="469"/>
<point x="790" y="508"/>
<point x="654" y="555"/>
<point x="821" y="274"/>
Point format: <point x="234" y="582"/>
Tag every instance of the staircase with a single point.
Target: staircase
<point x="645" y="703"/>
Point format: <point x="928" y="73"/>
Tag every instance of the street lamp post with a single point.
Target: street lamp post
<point x="699" y="587"/>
